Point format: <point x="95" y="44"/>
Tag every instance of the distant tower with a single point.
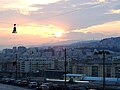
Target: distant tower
<point x="14" y="29"/>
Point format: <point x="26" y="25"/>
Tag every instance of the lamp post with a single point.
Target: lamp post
<point x="65" y="66"/>
<point x="16" y="67"/>
<point x="103" y="53"/>
<point x="16" y="72"/>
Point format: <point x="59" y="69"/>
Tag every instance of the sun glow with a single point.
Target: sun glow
<point x="58" y="34"/>
<point x="44" y="31"/>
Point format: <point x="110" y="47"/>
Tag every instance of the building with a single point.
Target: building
<point x="95" y="68"/>
<point x="36" y="64"/>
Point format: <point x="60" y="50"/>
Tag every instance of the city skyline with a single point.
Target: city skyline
<point x="51" y="21"/>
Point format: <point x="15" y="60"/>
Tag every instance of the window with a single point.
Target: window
<point x="95" y="71"/>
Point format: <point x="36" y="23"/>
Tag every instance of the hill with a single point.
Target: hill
<point x="107" y="43"/>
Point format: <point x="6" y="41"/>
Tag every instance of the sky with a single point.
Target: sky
<point x="50" y="21"/>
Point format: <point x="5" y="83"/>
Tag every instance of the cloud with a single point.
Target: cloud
<point x="114" y="11"/>
<point x="27" y="6"/>
<point x="102" y="0"/>
<point x="21" y="8"/>
<point x="84" y="36"/>
<point x="38" y="1"/>
<point x="24" y="6"/>
<point x="109" y="28"/>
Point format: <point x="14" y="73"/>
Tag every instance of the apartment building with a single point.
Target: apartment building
<point x="95" y="68"/>
<point x="36" y="64"/>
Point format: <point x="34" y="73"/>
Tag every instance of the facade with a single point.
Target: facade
<point x="36" y="64"/>
<point x="8" y="68"/>
<point x="60" y="64"/>
<point x="95" y="68"/>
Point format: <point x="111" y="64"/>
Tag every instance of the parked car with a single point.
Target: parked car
<point x="11" y="81"/>
<point x="45" y="86"/>
<point x="17" y="83"/>
<point x="42" y="87"/>
<point x="32" y="84"/>
<point x="24" y="83"/>
<point x="6" y="80"/>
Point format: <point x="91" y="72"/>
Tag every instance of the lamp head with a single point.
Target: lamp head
<point x="14" y="29"/>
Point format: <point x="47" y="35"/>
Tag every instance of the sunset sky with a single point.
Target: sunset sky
<point x="50" y="21"/>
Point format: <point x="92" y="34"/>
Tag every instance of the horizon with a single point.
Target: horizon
<point x="62" y="43"/>
<point x="47" y="44"/>
<point x="53" y="21"/>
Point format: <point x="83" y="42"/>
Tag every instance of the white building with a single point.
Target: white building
<point x="35" y="64"/>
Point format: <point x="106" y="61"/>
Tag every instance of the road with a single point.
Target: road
<point x="10" y="87"/>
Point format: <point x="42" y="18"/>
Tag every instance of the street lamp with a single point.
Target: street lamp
<point x="16" y="72"/>
<point x="14" y="29"/>
<point x="103" y="53"/>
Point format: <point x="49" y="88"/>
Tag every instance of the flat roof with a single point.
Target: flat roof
<point x="100" y="79"/>
<point x="75" y="75"/>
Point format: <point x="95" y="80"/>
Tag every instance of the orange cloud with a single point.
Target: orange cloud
<point x="44" y="31"/>
<point x="106" y="28"/>
<point x="113" y="11"/>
